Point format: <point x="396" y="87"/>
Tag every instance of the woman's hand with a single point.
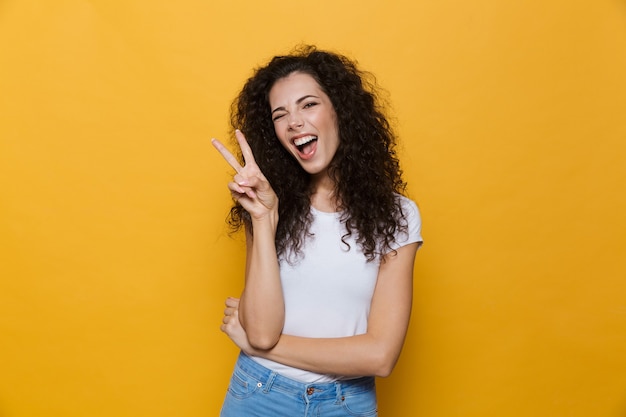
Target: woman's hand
<point x="249" y="186"/>
<point x="232" y="326"/>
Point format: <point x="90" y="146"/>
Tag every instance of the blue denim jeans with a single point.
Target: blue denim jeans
<point x="256" y="391"/>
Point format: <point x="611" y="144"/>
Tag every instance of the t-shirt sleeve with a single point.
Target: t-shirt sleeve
<point x="414" y="222"/>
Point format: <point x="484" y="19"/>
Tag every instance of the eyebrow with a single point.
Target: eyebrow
<point x="300" y="100"/>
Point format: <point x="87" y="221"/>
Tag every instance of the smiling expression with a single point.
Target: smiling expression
<point x="305" y="121"/>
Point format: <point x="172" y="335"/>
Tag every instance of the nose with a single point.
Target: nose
<point x="295" y="121"/>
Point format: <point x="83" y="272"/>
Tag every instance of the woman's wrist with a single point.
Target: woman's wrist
<point x="266" y="222"/>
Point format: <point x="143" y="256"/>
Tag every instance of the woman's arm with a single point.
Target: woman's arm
<point x="373" y="353"/>
<point x="262" y="307"/>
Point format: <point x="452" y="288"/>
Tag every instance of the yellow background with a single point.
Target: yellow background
<point x="114" y="258"/>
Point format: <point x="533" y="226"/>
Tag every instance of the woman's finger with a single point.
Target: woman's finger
<point x="258" y="183"/>
<point x="229" y="311"/>
<point x="232" y="302"/>
<point x="238" y="191"/>
<point x="247" y="193"/>
<point x="246" y="185"/>
<point x="229" y="157"/>
<point x="236" y="188"/>
<point x="248" y="156"/>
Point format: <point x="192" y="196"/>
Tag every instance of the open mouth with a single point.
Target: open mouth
<point x="306" y="144"/>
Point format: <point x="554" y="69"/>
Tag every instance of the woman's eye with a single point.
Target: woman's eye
<point x="311" y="104"/>
<point x="276" y="117"/>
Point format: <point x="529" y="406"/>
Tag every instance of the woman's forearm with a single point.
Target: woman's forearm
<point x="262" y="307"/>
<point x="348" y="356"/>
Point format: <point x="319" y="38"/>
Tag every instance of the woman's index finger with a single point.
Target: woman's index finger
<point x="229" y="157"/>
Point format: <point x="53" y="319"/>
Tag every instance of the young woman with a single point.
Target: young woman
<point x="331" y="241"/>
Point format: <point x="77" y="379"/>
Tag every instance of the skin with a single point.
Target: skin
<point x="254" y="322"/>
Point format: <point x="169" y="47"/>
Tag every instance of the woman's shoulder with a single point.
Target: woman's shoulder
<point x="408" y="206"/>
<point x="413" y="218"/>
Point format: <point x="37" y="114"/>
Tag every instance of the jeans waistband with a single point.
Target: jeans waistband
<point x="270" y="380"/>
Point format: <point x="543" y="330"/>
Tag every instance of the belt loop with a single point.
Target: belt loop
<point x="270" y="382"/>
<point x="338" y="391"/>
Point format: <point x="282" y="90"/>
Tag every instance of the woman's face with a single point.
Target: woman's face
<point x="305" y="121"/>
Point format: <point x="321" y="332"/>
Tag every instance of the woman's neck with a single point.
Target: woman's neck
<point x="323" y="195"/>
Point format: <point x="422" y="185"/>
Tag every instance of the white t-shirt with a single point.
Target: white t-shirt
<point x="328" y="290"/>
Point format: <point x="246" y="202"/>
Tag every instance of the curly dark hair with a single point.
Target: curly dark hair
<point x="365" y="168"/>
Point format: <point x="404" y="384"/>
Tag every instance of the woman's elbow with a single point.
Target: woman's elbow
<point x="384" y="364"/>
<point x="263" y="341"/>
<point x="262" y="335"/>
<point x="384" y="371"/>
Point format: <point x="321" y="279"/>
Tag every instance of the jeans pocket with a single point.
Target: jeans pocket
<point x="362" y="404"/>
<point x="241" y="385"/>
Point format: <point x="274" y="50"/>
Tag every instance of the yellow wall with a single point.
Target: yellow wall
<point x="114" y="261"/>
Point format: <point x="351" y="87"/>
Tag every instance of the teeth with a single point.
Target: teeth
<point x="304" y="140"/>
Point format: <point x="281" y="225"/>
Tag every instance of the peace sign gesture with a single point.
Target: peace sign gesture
<point x="249" y="186"/>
